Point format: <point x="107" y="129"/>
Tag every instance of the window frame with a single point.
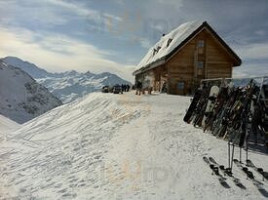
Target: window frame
<point x="201" y="43"/>
<point x="202" y="64"/>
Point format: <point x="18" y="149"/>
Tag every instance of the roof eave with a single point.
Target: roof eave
<point x="238" y="63"/>
<point x="237" y="59"/>
<point x="150" y="66"/>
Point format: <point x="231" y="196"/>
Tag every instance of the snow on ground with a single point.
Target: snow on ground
<point x="107" y="146"/>
<point x="7" y="125"/>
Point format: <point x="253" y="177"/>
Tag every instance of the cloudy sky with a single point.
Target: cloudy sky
<point x="114" y="35"/>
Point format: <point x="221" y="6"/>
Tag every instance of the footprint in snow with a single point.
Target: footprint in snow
<point x="48" y="180"/>
<point x="58" y="186"/>
<point x="69" y="195"/>
<point x="22" y="190"/>
<point x="71" y="177"/>
<point x="63" y="190"/>
<point x="97" y="157"/>
<point x="73" y="180"/>
<point x="19" y="182"/>
<point x="82" y="185"/>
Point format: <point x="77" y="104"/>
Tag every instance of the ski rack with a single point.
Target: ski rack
<point x="241" y="78"/>
<point x="231" y="145"/>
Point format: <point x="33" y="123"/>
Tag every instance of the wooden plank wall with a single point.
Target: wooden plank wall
<point x="182" y="66"/>
<point x="218" y="63"/>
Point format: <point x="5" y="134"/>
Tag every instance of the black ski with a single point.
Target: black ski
<point x="259" y="170"/>
<point x="227" y="171"/>
<point x="250" y="175"/>
<point x="215" y="170"/>
<point x="190" y="111"/>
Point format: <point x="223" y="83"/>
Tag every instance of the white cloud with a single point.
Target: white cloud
<point x="58" y="53"/>
<point x="254" y="56"/>
<point x="260" y="32"/>
<point x="80" y="9"/>
<point x="52" y="13"/>
<point x="253" y="51"/>
<point x="31" y="12"/>
<point x="145" y="43"/>
<point x="177" y="3"/>
<point x="250" y="70"/>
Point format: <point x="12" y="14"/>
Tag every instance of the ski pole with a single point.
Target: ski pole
<point x="232" y="157"/>
<point x="246" y="149"/>
<point x="240" y="155"/>
<point x="229" y="157"/>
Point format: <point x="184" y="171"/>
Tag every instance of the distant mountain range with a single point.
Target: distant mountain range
<point x="21" y="97"/>
<point x="70" y="85"/>
<point x="28" y="67"/>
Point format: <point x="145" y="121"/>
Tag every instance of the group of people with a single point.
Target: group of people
<point x="140" y="88"/>
<point x="125" y="87"/>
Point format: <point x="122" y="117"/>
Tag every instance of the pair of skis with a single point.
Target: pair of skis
<point x="257" y="169"/>
<point x="251" y="177"/>
<point x="216" y="168"/>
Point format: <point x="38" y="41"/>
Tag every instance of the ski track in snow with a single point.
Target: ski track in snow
<point x="107" y="146"/>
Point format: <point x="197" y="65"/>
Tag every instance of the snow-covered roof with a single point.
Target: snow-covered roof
<point x="172" y="41"/>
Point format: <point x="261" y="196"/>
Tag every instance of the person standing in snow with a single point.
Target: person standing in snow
<point x="139" y="88"/>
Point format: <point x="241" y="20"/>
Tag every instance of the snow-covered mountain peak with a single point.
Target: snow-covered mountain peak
<point x="26" y="66"/>
<point x="69" y="73"/>
<point x="68" y="85"/>
<point x="88" y="73"/>
<point x="74" y="85"/>
<point x="21" y="97"/>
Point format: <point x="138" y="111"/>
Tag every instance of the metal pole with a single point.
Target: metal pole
<point x="215" y="79"/>
<point x="240" y="156"/>
<point x="260" y="90"/>
<point x="229" y="155"/>
<point x="232" y="157"/>
<point x="247" y="153"/>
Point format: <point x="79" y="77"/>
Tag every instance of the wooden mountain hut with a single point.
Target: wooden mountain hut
<point x="181" y="58"/>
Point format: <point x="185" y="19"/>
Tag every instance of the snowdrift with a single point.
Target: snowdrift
<point x="107" y="146"/>
<point x="7" y="125"/>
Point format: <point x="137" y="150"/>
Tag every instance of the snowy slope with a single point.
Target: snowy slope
<point x="70" y="85"/>
<point x="7" y="125"/>
<point x="106" y="146"/>
<point x="21" y="97"/>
